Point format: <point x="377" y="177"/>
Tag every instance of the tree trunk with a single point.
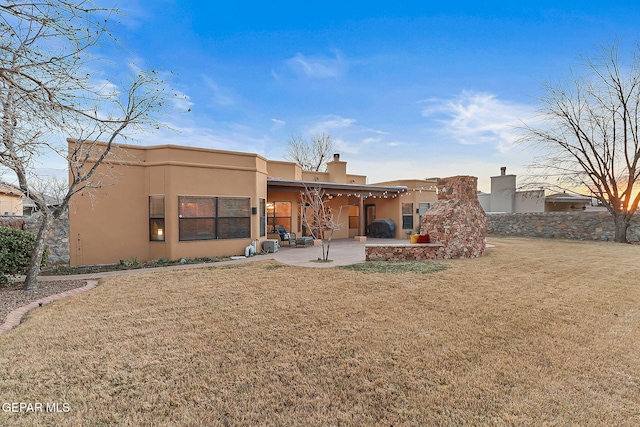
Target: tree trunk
<point x="35" y="261"/>
<point x="621" y="224"/>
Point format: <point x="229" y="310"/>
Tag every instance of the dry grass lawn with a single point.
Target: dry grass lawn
<point x="538" y="332"/>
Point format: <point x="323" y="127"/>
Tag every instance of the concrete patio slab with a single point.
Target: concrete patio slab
<point x="341" y="252"/>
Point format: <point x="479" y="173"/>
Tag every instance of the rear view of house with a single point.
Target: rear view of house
<point x="179" y="202"/>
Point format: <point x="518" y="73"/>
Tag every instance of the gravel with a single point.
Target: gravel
<point x="12" y="297"/>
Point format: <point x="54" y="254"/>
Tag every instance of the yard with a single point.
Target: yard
<point x="537" y="332"/>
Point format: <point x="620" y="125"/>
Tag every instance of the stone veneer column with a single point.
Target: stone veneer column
<point x="457" y="220"/>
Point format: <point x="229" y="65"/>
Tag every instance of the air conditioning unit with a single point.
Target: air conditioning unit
<point x="270" y="245"/>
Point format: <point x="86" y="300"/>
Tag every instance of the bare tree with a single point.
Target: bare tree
<point x="311" y="156"/>
<point x="589" y="134"/>
<point x="46" y="90"/>
<point x="321" y="223"/>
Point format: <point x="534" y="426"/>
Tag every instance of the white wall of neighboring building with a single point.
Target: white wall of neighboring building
<point x="485" y="201"/>
<point x="529" y="201"/>
<point x="503" y="193"/>
<point x="505" y="199"/>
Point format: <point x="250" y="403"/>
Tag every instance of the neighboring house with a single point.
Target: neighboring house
<point x="564" y="202"/>
<point x="10" y="200"/>
<point x="504" y="198"/>
<point x="178" y="202"/>
<point x="29" y="206"/>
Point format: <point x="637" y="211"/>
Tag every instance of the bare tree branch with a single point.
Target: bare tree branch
<point x="47" y="90"/>
<point x="589" y="131"/>
<point x="311" y="156"/>
<point x="322" y="222"/>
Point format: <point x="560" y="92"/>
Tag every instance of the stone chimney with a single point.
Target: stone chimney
<point x="503" y="171"/>
<point x="457" y="220"/>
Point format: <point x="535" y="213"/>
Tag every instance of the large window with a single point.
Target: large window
<point x="263" y="217"/>
<point x="407" y="216"/>
<point x="354" y="216"/>
<point x="278" y="213"/>
<point x="422" y="209"/>
<point x="208" y="218"/>
<point x="156" y="218"/>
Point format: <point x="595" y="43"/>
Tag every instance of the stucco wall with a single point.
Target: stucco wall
<point x="561" y="225"/>
<point x="530" y="201"/>
<point x="10" y="204"/>
<point x="503" y="190"/>
<point x="115" y="226"/>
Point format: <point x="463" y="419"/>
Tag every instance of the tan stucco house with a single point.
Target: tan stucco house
<point x="10" y="200"/>
<point x="178" y="202"/>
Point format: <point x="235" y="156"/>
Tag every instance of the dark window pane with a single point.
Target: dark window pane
<point x="234" y="228"/>
<point x="263" y="217"/>
<point x="234" y="207"/>
<point x="197" y="229"/>
<point x="407" y="222"/>
<point x="156" y="206"/>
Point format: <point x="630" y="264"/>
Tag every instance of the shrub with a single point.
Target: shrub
<point x="15" y="249"/>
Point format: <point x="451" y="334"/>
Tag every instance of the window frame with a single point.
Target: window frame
<point x="262" y="208"/>
<point x="157" y="228"/>
<point x="217" y="221"/>
<point x="422" y="211"/>
<point x="407" y="218"/>
<point x="272" y="221"/>
<point x="354" y="220"/>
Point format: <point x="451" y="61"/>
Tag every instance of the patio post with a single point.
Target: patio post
<point x="361" y="215"/>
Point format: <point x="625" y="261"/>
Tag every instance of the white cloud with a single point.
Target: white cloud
<point x="220" y="96"/>
<point x="316" y="66"/>
<point x="330" y="122"/>
<point x="105" y="88"/>
<point x="478" y="118"/>
<point x="277" y="124"/>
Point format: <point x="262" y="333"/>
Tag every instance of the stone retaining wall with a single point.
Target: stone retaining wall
<point x="560" y="225"/>
<point x="57" y="239"/>
<point x="401" y="252"/>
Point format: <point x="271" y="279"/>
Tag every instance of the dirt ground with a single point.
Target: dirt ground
<point x="12" y="297"/>
<point x="535" y="333"/>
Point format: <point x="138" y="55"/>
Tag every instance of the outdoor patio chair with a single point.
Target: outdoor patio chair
<point x="286" y="236"/>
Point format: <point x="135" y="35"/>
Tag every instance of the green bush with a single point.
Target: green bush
<point x="15" y="249"/>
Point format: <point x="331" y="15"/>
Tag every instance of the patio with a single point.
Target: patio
<point x="342" y="252"/>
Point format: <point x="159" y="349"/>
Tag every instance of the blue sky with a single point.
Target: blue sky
<point x="406" y="89"/>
